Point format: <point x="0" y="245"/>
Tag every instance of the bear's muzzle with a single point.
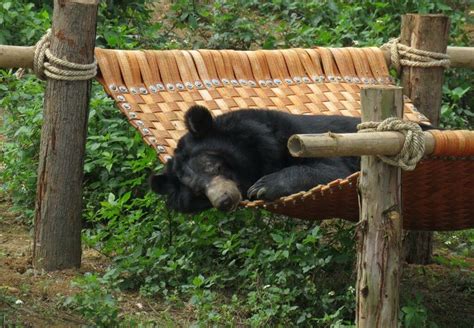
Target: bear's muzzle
<point x="223" y="193"/>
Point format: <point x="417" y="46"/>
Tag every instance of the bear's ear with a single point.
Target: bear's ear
<point x="198" y="120"/>
<point x="161" y="184"/>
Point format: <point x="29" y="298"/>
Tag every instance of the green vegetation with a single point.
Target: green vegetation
<point x="248" y="268"/>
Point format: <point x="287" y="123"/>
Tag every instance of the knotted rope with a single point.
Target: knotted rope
<point x="56" y="68"/>
<point x="413" y="147"/>
<point x="402" y="55"/>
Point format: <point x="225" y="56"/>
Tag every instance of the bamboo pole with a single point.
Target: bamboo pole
<point x="461" y="57"/>
<point x="58" y="220"/>
<point x="380" y="225"/>
<point x="18" y="56"/>
<point x="351" y="144"/>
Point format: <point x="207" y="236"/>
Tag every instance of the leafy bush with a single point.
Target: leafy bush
<point x="22" y="23"/>
<point x="95" y="302"/>
<point x="280" y="270"/>
<point x="248" y="268"/>
<point x="21" y="102"/>
<point x="415" y="315"/>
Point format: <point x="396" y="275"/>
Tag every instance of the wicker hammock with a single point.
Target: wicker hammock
<point x="155" y="88"/>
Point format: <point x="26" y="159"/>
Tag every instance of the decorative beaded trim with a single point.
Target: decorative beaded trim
<point x="198" y="84"/>
<point x="215" y="83"/>
<point x="160" y="149"/>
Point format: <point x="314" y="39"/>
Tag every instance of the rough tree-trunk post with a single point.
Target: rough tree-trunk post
<point x="424" y="87"/>
<point x="57" y="242"/>
<point x="380" y="225"/>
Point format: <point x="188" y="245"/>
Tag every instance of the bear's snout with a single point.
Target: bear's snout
<point x="223" y="194"/>
<point x="225" y="203"/>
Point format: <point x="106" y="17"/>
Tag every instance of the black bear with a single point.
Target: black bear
<point x="244" y="154"/>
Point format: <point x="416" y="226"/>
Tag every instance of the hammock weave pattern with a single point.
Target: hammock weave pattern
<point x="155" y="88"/>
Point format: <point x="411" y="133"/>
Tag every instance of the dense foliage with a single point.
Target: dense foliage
<point x="247" y="268"/>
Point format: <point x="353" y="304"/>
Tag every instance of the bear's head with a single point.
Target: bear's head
<point x="202" y="173"/>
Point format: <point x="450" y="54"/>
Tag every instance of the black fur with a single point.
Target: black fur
<point x="248" y="147"/>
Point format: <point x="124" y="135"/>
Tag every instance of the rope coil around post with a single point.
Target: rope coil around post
<point x="403" y="55"/>
<point x="413" y="147"/>
<point x="57" y="68"/>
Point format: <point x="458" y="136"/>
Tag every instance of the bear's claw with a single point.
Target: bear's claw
<point x="256" y="192"/>
<point x="266" y="188"/>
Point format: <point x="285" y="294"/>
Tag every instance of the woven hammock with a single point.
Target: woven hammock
<point x="155" y="88"/>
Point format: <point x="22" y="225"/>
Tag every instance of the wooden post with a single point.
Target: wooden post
<point x="380" y="225"/>
<point x="59" y="191"/>
<point x="424" y="87"/>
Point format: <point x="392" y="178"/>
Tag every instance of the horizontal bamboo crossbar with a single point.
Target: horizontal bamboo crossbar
<point x="16" y="56"/>
<point x="20" y="56"/>
<point x="350" y="144"/>
<point x="460" y="57"/>
<point x="460" y="143"/>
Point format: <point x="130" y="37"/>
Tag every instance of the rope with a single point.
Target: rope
<point x="57" y="68"/>
<point x="402" y="55"/>
<point x="413" y="147"/>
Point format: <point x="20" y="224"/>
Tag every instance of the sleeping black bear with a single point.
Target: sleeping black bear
<point x="243" y="154"/>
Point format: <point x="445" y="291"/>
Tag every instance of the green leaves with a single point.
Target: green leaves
<point x="22" y="23"/>
<point x="414" y="314"/>
<point x="96" y="301"/>
<point x="456" y="111"/>
<point x="198" y="281"/>
<point x="262" y="269"/>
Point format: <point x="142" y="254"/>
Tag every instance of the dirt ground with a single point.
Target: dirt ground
<point x="29" y="298"/>
<point x="34" y="299"/>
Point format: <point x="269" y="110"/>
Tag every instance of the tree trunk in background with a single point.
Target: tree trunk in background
<point x="424" y="87"/>
<point x="58" y="221"/>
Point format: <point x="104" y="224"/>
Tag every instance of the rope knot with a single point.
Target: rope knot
<point x="413" y="147"/>
<point x="402" y="55"/>
<point x="56" y="68"/>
